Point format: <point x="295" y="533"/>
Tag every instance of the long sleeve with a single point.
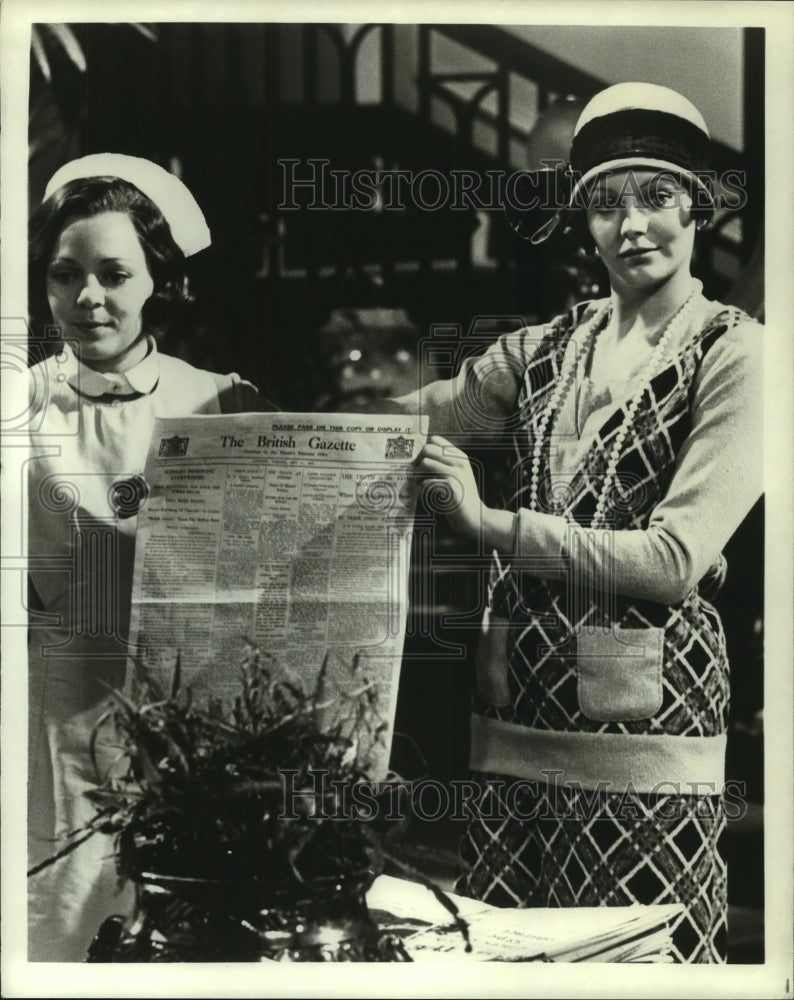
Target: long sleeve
<point x="717" y="478"/>
<point x="478" y="402"/>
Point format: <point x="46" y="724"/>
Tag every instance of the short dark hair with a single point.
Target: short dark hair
<point x="84" y="197"/>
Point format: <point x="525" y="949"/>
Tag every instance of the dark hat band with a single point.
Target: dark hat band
<point x="640" y="133"/>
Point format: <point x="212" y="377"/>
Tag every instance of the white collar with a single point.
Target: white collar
<point x="140" y="379"/>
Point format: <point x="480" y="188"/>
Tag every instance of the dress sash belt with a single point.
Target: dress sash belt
<point x="667" y="765"/>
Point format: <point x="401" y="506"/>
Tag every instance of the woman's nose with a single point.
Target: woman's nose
<point x="92" y="293"/>
<point x="634" y="221"/>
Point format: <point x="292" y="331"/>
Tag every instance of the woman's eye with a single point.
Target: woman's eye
<point x="61" y="277"/>
<point x="115" y="277"/>
<point x="603" y="205"/>
<point x="663" y="199"/>
<point x="603" y="210"/>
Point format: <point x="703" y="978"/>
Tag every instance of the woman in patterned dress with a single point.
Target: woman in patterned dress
<point x="599" y="719"/>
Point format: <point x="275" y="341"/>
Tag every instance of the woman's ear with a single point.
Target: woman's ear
<point x="686" y="205"/>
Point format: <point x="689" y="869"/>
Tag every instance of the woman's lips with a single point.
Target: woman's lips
<point x="92" y="325"/>
<point x="636" y="252"/>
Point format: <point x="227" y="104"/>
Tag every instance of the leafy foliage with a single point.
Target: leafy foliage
<point x="199" y="792"/>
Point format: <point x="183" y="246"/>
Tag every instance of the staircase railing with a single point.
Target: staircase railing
<point x="490" y="123"/>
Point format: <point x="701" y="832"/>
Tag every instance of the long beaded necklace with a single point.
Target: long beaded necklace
<point x="658" y="356"/>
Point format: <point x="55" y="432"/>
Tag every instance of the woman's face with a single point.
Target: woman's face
<point x="97" y="284"/>
<point x="642" y="225"/>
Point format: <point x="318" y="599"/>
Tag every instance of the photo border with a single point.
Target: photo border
<point x="22" y="979"/>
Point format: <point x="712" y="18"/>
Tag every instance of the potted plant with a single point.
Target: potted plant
<point x="224" y="867"/>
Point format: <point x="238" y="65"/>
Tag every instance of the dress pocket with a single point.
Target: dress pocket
<point x="619" y="673"/>
<point x="490" y="662"/>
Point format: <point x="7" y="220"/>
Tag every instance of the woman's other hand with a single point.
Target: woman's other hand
<point x="448" y="470"/>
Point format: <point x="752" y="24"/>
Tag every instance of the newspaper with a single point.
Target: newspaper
<point x="576" y="934"/>
<point x="288" y="531"/>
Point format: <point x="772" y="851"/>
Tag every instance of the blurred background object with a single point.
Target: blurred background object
<point x="272" y="125"/>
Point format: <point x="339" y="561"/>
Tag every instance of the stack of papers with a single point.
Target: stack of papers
<point x="582" y="934"/>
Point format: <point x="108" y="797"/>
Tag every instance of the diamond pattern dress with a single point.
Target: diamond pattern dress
<point x="553" y="843"/>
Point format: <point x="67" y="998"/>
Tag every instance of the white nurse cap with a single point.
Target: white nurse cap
<point x="178" y="206"/>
